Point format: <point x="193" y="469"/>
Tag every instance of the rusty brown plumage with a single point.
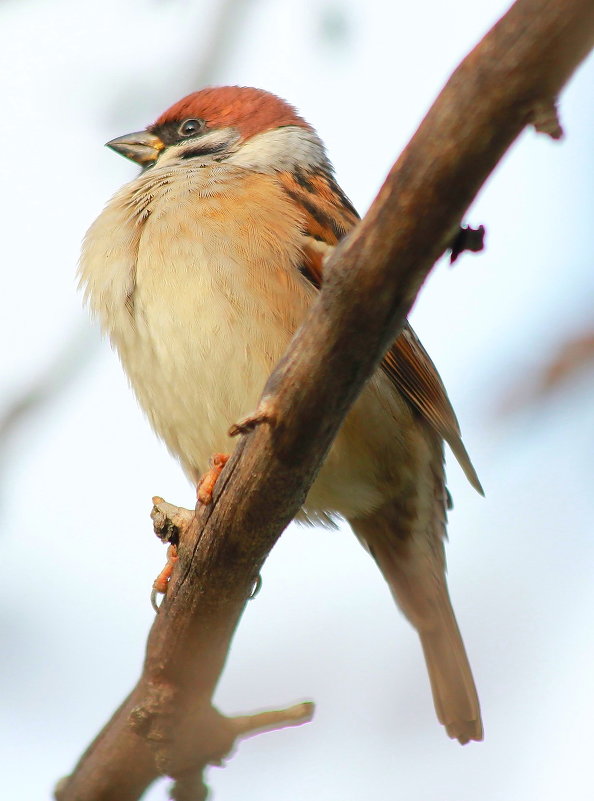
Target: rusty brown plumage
<point x="328" y="215"/>
<point x="250" y="110"/>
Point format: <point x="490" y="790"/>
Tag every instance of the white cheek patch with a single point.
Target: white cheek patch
<point x="281" y="149"/>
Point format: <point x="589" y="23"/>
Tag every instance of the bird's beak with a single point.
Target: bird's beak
<point x="142" y="147"/>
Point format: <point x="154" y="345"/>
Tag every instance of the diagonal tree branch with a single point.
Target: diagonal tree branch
<point x="167" y="724"/>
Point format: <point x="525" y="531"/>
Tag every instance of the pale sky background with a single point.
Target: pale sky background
<point x="78" y="553"/>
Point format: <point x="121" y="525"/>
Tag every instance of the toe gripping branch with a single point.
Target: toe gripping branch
<point x="168" y="521"/>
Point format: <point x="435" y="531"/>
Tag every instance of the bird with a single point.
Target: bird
<point x="201" y="269"/>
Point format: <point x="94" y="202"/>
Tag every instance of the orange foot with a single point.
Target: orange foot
<point x="207" y="483"/>
<point x="161" y="583"/>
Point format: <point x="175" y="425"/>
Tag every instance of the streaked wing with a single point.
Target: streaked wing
<point x="328" y="216"/>
<point x="409" y="366"/>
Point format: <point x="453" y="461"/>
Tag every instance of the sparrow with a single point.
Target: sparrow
<point x="201" y="269"/>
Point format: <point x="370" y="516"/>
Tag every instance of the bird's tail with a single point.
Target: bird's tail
<point x="415" y="571"/>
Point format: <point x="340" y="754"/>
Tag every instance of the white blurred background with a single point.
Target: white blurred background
<point x="78" y="470"/>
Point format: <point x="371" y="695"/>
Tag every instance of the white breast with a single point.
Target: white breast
<point x="193" y="276"/>
<point x="167" y="270"/>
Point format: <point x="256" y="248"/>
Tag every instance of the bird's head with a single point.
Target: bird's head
<point x="247" y="126"/>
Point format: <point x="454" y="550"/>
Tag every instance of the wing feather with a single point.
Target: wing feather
<point x="409" y="366"/>
<point x="328" y="216"/>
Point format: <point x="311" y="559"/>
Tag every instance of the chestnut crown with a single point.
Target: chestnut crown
<point x="251" y="111"/>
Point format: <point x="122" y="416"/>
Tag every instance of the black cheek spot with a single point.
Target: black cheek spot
<point x="203" y="150"/>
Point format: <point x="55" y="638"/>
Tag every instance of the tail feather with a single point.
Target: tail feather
<point x="414" y="568"/>
<point x="454" y="693"/>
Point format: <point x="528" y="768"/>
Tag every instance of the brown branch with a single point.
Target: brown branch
<point x="572" y="357"/>
<point x="168" y="724"/>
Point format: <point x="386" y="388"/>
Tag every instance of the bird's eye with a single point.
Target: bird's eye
<point x="191" y="127"/>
